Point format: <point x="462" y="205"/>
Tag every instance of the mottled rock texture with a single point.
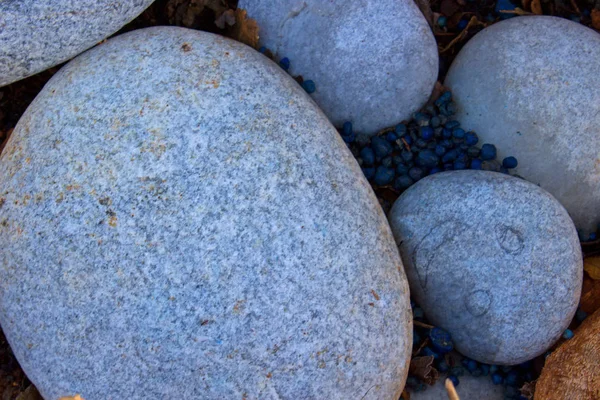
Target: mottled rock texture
<point x="374" y="62"/>
<point x="491" y="258"/>
<point x="180" y="220"/>
<point x="530" y="86"/>
<point x="37" y="35"/>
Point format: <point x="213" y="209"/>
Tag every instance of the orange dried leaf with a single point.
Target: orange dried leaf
<point x="76" y="397"/>
<point x="245" y="29"/>
<point x="596" y="19"/>
<point x="591" y="265"/>
<point x="536" y="7"/>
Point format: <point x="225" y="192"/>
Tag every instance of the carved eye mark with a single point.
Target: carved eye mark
<point x="510" y="239"/>
<point x="478" y="302"/>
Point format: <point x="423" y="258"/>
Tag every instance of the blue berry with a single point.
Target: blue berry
<point x="454" y="380"/>
<point x="347" y="128"/>
<point x="473" y="152"/>
<point x="434" y="171"/>
<point x="428" y="351"/>
<point x="470" y="365"/>
<point x="447" y="133"/>
<point x="441" y="21"/>
<point x="443" y="99"/>
<point x="426" y="133"/>
<point x="592" y="236"/>
<point x="416" y="173"/>
<point x="406" y="155"/>
<point x="485" y="369"/>
<point x="441" y="340"/>
<point x="568" y="334"/>
<point x="435" y="121"/>
<point x="402" y="169"/>
<point x="369" y="172"/>
<point x="462" y="24"/>
<point x="440" y="150"/>
<point x="580" y="315"/>
<point x="383" y="176"/>
<point x="381" y="147"/>
<point x="400" y="129"/>
<point x="460" y="164"/>
<point x="391" y="137"/>
<point x="285" y="63"/>
<point x="493" y="369"/>
<point x="488" y="152"/>
<point x="421" y="119"/>
<point x="309" y="86"/>
<point x="368" y="156"/>
<point x="476" y="164"/>
<point x="458" y="133"/>
<point x="471" y="138"/>
<point x="509" y="162"/>
<point x="497" y="378"/>
<point x="457" y="370"/>
<point x="448" y="144"/>
<point x="512" y="378"/>
<point x="449" y="156"/>
<point x="387" y="162"/>
<point x="451" y="125"/>
<point x="427" y="159"/>
<point x="420" y="143"/>
<point x="442" y="365"/>
<point x="401" y="183"/>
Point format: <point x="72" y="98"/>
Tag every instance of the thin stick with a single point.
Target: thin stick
<point x="452" y="395"/>
<point x="423" y="325"/>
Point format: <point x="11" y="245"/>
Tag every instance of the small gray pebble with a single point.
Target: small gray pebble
<point x="530" y="86"/>
<point x="374" y="62"/>
<point x="37" y="35"/>
<point x="180" y="220"/>
<point x="493" y="259"/>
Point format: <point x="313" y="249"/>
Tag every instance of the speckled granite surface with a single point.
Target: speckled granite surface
<point x="491" y="258"/>
<point x="530" y="86"/>
<point x="38" y="34"/>
<point x="374" y="62"/>
<point x="180" y="220"/>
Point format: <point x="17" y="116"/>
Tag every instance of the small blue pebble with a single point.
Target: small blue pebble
<point x="435" y="121"/>
<point x="462" y="24"/>
<point x="401" y="183"/>
<point x="421" y="118"/>
<point x="441" y="21"/>
<point x="471" y="365"/>
<point x="592" y="236"/>
<point x="448" y="167"/>
<point x="457" y="370"/>
<point x="427" y="159"/>
<point x="450" y="109"/>
<point x="488" y="152"/>
<point x="349" y="139"/>
<point x="428" y="351"/>
<point x="421" y="143"/>
<point x="426" y="133"/>
<point x="406" y="155"/>
<point x="347" y="128"/>
<point x="416" y="173"/>
<point x="368" y="156"/>
<point x="485" y="369"/>
<point x="440" y="150"/>
<point x="512" y="378"/>
<point x="387" y="162"/>
<point x="284" y="63"/>
<point x="447" y="133"/>
<point x="391" y="137"/>
<point x="309" y="86"/>
<point x="434" y="171"/>
<point x="383" y="176"/>
<point x="402" y="169"/>
<point x="471" y="138"/>
<point x="497" y="378"/>
<point x="263" y="50"/>
<point x="444" y="98"/>
<point x="381" y="147"/>
<point x="454" y="380"/>
<point x="458" y="133"/>
<point x="451" y="124"/>
<point x="494" y="369"/>
<point x="441" y="340"/>
<point x="442" y="365"/>
<point x="449" y="156"/>
<point x="568" y="334"/>
<point x="369" y="172"/>
<point x="400" y="129"/>
<point x="509" y="162"/>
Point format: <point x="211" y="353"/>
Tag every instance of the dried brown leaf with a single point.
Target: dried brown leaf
<point x="527" y="5"/>
<point x="245" y="29"/>
<point x="528" y="389"/>
<point x="422" y="368"/>
<point x="225" y="19"/>
<point x="591" y="265"/>
<point x="472" y="22"/>
<point x="590" y="295"/>
<point x="31" y="393"/>
<point x="536" y="7"/>
<point x="596" y="19"/>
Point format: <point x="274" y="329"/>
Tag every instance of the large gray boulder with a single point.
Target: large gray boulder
<point x="493" y="259"/>
<point x="180" y="220"/>
<point x="37" y="35"/>
<point x="530" y="86"/>
<point x="374" y="62"/>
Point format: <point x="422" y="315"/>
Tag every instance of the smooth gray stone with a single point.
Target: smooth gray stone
<point x="38" y="34"/>
<point x="374" y="62"/>
<point x="530" y="86"/>
<point x="493" y="259"/>
<point x="469" y="388"/>
<point x="180" y="220"/>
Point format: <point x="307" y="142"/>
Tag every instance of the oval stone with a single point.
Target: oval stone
<point x="37" y="35"/>
<point x="374" y="62"/>
<point x="530" y="86"/>
<point x="493" y="259"/>
<point x="180" y="220"/>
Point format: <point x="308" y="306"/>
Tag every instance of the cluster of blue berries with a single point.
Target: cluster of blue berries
<point x="429" y="143"/>
<point x="308" y="85"/>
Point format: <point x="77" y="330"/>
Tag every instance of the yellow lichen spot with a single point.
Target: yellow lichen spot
<point x="239" y="306"/>
<point x="112" y="221"/>
<point x="76" y="397"/>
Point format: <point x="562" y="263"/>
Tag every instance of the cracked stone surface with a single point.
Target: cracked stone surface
<point x="529" y="85"/>
<point x="37" y="35"/>
<point x="374" y="62"/>
<point x="179" y="220"/>
<point x="493" y="259"/>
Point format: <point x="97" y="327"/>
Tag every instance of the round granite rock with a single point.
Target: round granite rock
<point x="37" y="35"/>
<point x="530" y="86"/>
<point x="180" y="220"/>
<point x="374" y="62"/>
<point x="491" y="258"/>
